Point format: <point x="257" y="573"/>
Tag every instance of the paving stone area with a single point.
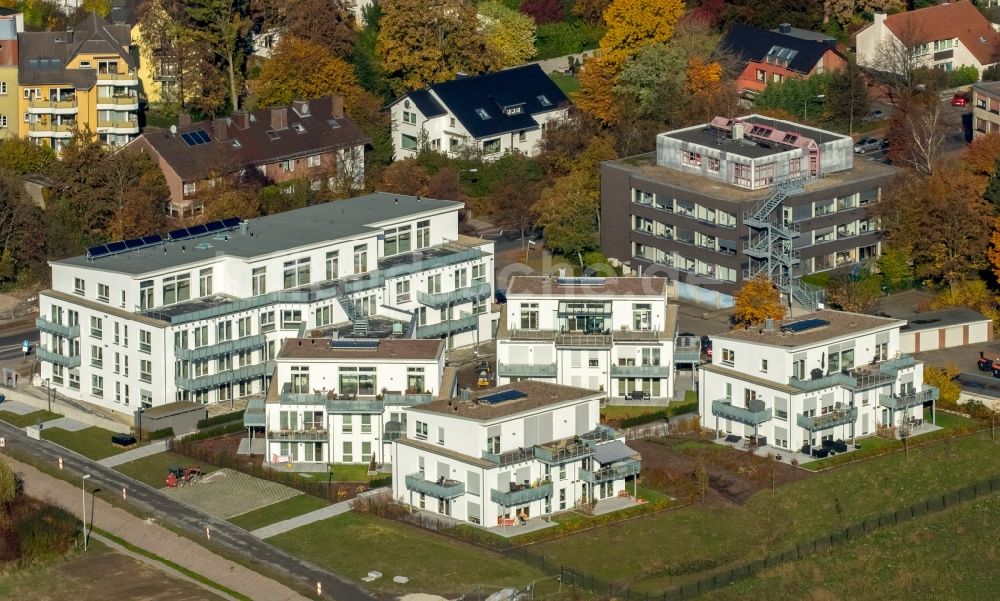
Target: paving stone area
<point x="228" y="493"/>
<point x="17" y="408"/>
<point x="65" y="423"/>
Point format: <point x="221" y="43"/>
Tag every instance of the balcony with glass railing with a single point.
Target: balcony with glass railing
<point x="640" y="371"/>
<point x="121" y="102"/>
<point x="448" y="327"/>
<point x="838" y="417"/>
<point x="524" y="370"/>
<point x="61" y="106"/>
<point x="59" y="329"/>
<point x="475" y="292"/>
<point x="522" y="494"/>
<point x="406" y="399"/>
<point x="617" y="471"/>
<point x="221" y="348"/>
<point x="122" y="125"/>
<point x="128" y="76"/>
<point x="44" y="354"/>
<point x="308" y="435"/>
<point x="227" y="377"/>
<point x="255" y="415"/>
<point x="45" y="129"/>
<point x="725" y="409"/>
<point x="439" y="489"/>
<point x="564" y="451"/>
<point x="904" y="400"/>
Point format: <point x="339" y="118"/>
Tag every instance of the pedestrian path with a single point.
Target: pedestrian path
<point x="311" y="517"/>
<point x="152" y="448"/>
<point x="65" y="423"/>
<point x="61" y="406"/>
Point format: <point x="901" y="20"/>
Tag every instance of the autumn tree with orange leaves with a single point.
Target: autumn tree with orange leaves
<point x="757" y="301"/>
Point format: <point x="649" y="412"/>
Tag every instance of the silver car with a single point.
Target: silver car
<point x="867" y="145"/>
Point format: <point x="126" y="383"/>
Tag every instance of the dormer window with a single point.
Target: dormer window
<point x="482" y="114"/>
<point x="298" y="128"/>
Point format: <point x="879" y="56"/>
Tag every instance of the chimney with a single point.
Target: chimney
<point x="785" y="28"/>
<point x="279" y="118"/>
<point x="183" y="119"/>
<point x="241" y="119"/>
<point x="301" y="108"/>
<point x="69" y="35"/>
<point x="337" y="107"/>
<point x="221" y="130"/>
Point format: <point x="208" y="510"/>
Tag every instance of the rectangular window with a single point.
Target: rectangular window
<point x="403" y="291"/>
<point x="728" y="356"/>
<point x="332" y="265"/>
<point x="397" y="241"/>
<point x="366" y="451"/>
<point x="96" y="327"/>
<point x="347" y="425"/>
<point x="422" y="430"/>
<point x="267" y="322"/>
<point x="145" y="371"/>
<point x="146" y="294"/>
<point x="291" y="319"/>
<point x="103" y="292"/>
<point x="300" y="379"/>
<point x="205" y="282"/>
<point x="296" y="273"/>
<point x="97" y="386"/>
<point x="176" y="289"/>
<point x="691" y="158"/>
<point x="313" y="161"/>
<point x="491" y="146"/>
<point x="478" y="274"/>
<point x="79" y="286"/>
<point x="96" y="356"/>
<point x="434" y="284"/>
<point x="258" y="279"/>
<point x="189" y="188"/>
<point x="361" y="258"/>
<point x="145" y="341"/>
<point x="763" y="365"/>
<point x="224" y="331"/>
<point x="423" y="233"/>
<point x="348" y="452"/>
<point x="245" y="327"/>
<point x="366" y="424"/>
<point x="408" y="142"/>
<point x="529" y="316"/>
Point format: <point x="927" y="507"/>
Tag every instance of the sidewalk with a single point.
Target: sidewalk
<point x="149" y="535"/>
<point x="152" y="448"/>
<point x="313" y="516"/>
<point x="62" y="407"/>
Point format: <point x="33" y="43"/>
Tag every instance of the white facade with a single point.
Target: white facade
<point x="832" y="382"/>
<point x="605" y="334"/>
<point x="522" y="462"/>
<point x="940" y="51"/>
<point x="201" y="318"/>
<point x="346" y="405"/>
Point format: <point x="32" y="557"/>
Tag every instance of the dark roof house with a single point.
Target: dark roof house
<point x="44" y="55"/>
<point x="800" y="54"/>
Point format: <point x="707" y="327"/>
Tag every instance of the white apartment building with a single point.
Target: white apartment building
<point x="513" y="452"/>
<point x="198" y="314"/>
<point x="489" y="114"/>
<point x="342" y="400"/>
<point x="614" y="335"/>
<point x="826" y="376"/>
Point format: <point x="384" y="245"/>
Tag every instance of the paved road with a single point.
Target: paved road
<point x="224" y="534"/>
<point x="11" y="340"/>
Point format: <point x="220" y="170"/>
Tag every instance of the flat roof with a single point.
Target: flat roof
<point x="644" y="166"/>
<point x="942" y="318"/>
<point x="271" y="234"/>
<point x="536" y="395"/>
<point x="840" y="324"/>
<point x="384" y="348"/>
<point x="704" y="135"/>
<point x="588" y="286"/>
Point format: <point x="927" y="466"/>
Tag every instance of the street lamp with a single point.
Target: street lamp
<point x="805" y="104"/>
<point x="83" y="491"/>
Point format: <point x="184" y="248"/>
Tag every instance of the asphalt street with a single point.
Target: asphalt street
<point x="169" y="510"/>
<point x="11" y="340"/>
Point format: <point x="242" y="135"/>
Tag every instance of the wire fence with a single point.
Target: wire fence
<point x="622" y="590"/>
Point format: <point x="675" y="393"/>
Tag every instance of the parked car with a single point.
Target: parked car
<point x="867" y="145"/>
<point x="960" y="99"/>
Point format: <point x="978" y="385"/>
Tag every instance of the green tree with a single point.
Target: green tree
<point x="222" y="29"/>
<point x="796" y="96"/>
<point x="656" y="77"/>
<point x="567" y="209"/>
<point x="100" y="8"/>
<point x="423" y="42"/>
<point x="895" y="266"/>
<point x="22" y="231"/>
<point x="509" y="35"/>
<point x="301" y="69"/>
<point x="945" y="379"/>
<point x="847" y="94"/>
<point x="21" y="156"/>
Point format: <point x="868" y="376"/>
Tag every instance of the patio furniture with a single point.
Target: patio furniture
<point x="732" y="438"/>
<point x="635" y="395"/>
<point x="840" y="446"/>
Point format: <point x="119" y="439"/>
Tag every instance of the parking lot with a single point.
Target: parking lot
<point x="227" y="493"/>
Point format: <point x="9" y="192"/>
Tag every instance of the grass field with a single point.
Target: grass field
<point x="283" y="510"/>
<point x="567" y="83"/>
<point x="349" y="473"/>
<point x="152" y="470"/>
<point x="355" y="544"/>
<point x="949" y="555"/>
<point x="704" y="538"/>
<point x="92" y="442"/>
<point x="624" y="411"/>
<point x="30" y="419"/>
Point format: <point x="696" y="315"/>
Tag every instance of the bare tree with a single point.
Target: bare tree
<point x="924" y="128"/>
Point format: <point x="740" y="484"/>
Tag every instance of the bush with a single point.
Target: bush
<point x="557" y="39"/>
<point x="636" y="420"/>
<point x="222" y="430"/>
<point x="380" y="482"/>
<point x="992" y="73"/>
<point x="160" y="434"/>
<point x="220" y="419"/>
<point x="963" y="76"/>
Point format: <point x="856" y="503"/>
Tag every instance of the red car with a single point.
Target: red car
<point x="960" y="100"/>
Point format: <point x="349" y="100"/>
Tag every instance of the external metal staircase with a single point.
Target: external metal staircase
<point x="360" y="322"/>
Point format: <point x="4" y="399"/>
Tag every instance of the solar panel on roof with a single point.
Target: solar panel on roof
<point x="117" y="247"/>
<point x="355" y="343"/>
<point x="97" y="251"/>
<point x="803" y="325"/>
<point x="197" y="230"/>
<point x="500" y="397"/>
<point x="214" y="226"/>
<point x="154" y="239"/>
<point x="178" y="234"/>
<point x="195" y="138"/>
<point x="231" y="221"/>
<point x="134" y="243"/>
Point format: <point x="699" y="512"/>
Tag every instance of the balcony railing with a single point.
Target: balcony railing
<point x="476" y="292"/>
<point x="523" y="496"/>
<point x="65" y="128"/>
<point x="255" y="414"/>
<point x="227" y="377"/>
<point x="837" y="417"/>
<point x="308" y="435"/>
<point x="47" y="355"/>
<point x="40" y="103"/>
<point x="554" y="455"/>
<point x="118" y="100"/>
<point x="396" y="399"/>
<point x="119" y="124"/>
<point x="57" y="328"/>
<point x="520" y="370"/>
<point x="726" y="410"/>
<point x="117" y="76"/>
<point x="469" y="322"/>
<point x="584" y="340"/>
<point x="510" y="457"/>
<point x="221" y="348"/>
<point x="618" y="471"/>
<point x="893" y="366"/>
<point x="441" y="489"/>
<point x="640" y="371"/>
<point x="909" y="399"/>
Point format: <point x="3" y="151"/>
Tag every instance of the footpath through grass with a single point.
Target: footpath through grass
<point x="948" y="555"/>
<point x="92" y="442"/>
<point x="30" y="419"/>
<point x="354" y="544"/>
<point x="152" y="470"/>
<point x="280" y="511"/>
<point x="702" y="539"/>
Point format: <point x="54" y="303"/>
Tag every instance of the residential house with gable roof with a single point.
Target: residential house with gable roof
<point x="309" y="139"/>
<point x="492" y="113"/>
<point x="946" y="36"/>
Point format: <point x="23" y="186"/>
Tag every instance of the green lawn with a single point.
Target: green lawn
<point x="624" y="411"/>
<point x="354" y="544"/>
<point x="30" y="419"/>
<point x="152" y="470"/>
<point x="947" y="420"/>
<point x="870" y="447"/>
<point x="283" y="510"/>
<point x="949" y="555"/>
<point x="349" y="473"/>
<point x="92" y="442"/>
<point x="567" y="83"/>
<point x="703" y="538"/>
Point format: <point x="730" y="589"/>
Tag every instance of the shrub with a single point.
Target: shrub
<point x="557" y="39"/>
<point x="160" y="434"/>
<point x="222" y="430"/>
<point x="963" y="76"/>
<point x="992" y="73"/>
<point x="220" y="419"/>
<point x="636" y="420"/>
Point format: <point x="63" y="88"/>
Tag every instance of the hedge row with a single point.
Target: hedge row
<point x="162" y="433"/>
<point x="221" y="419"/>
<point x="638" y="420"/>
<point x="222" y="430"/>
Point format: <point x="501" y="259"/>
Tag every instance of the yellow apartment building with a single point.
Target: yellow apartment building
<point x="11" y="23"/>
<point x="77" y="79"/>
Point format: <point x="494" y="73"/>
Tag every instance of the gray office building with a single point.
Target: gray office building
<point x="736" y="197"/>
